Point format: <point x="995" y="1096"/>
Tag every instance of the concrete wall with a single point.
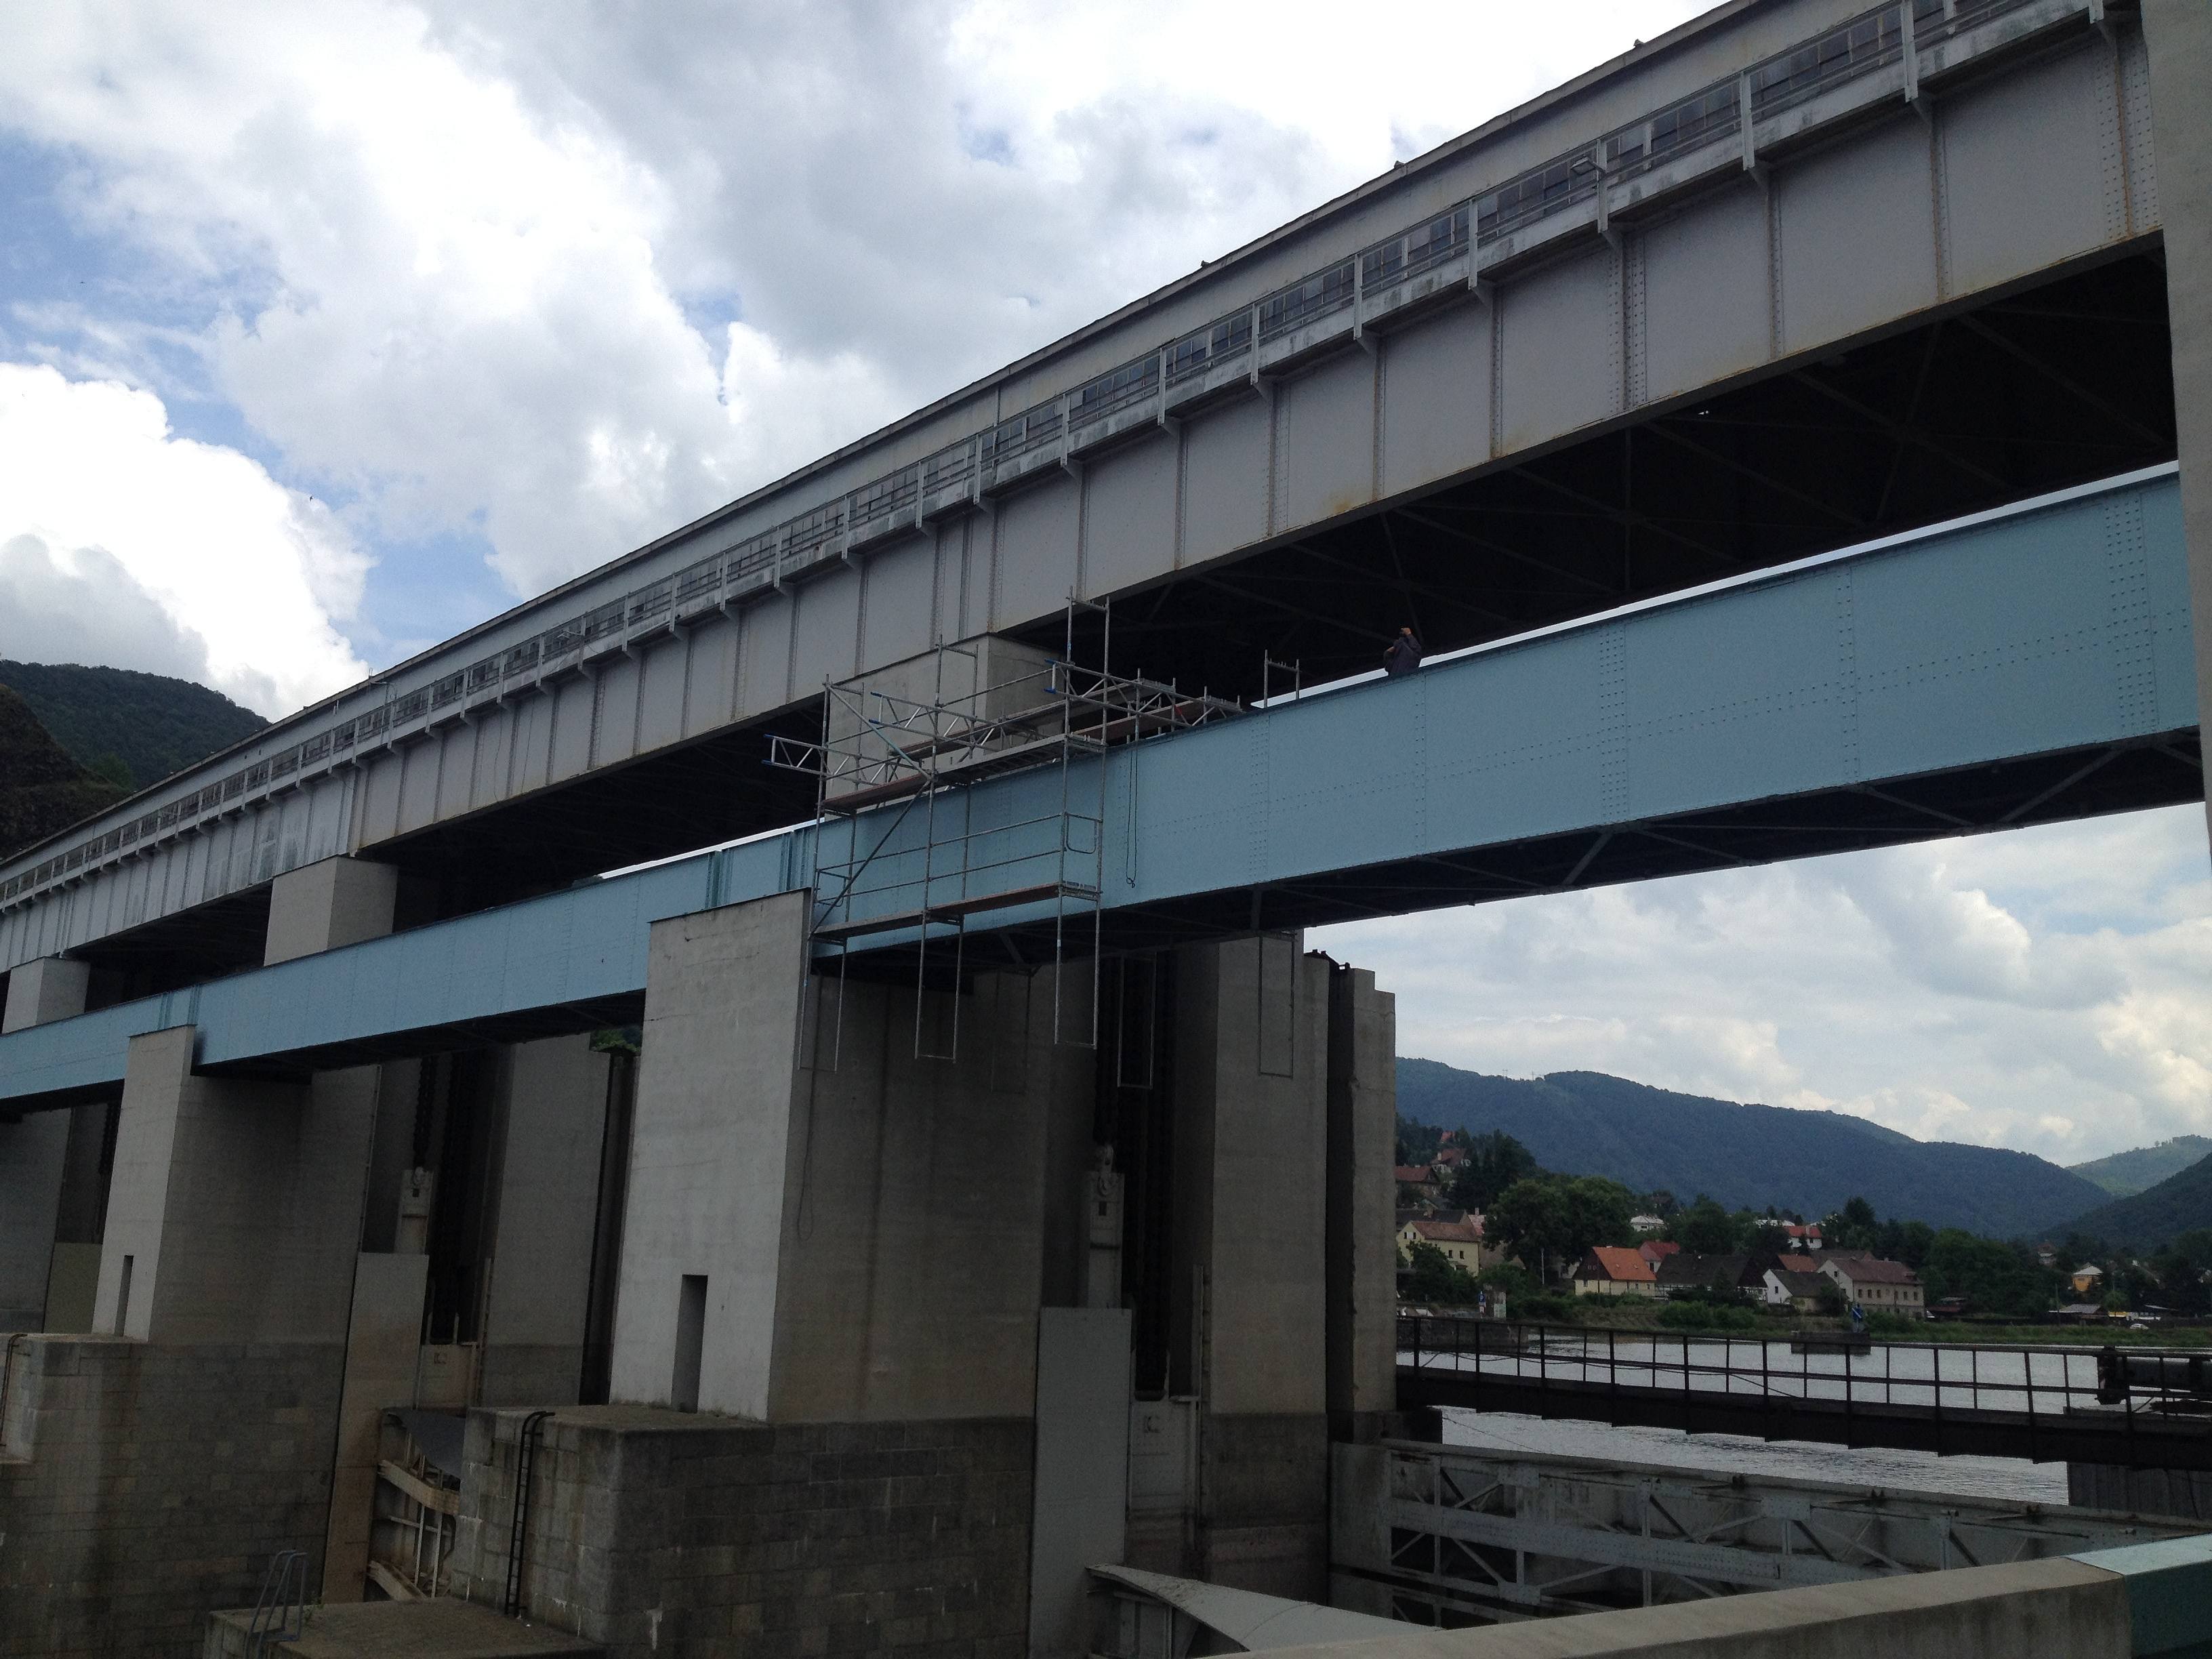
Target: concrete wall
<point x="548" y="1196"/>
<point x="384" y="1338"/>
<point x="235" y="1211"/>
<point x="142" y="1485"/>
<point x="1363" y="1195"/>
<point x="33" y="1153"/>
<point x="708" y="1150"/>
<point x="916" y="1205"/>
<point x="656" y="1532"/>
<point x="1251" y="1157"/>
<point x="870" y="1225"/>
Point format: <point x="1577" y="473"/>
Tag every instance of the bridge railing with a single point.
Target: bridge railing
<point x="2172" y="1387"/>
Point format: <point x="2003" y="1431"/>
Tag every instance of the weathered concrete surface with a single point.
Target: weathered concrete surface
<point x="708" y="1150"/>
<point x="1362" y="1190"/>
<point x="142" y="1484"/>
<point x="235" y="1211"/>
<point x="384" y="1341"/>
<point x="52" y="987"/>
<point x="1251" y="1156"/>
<point x="34" y="1151"/>
<point x="404" y="1630"/>
<point x="656" y="1532"/>
<point x="548" y="1189"/>
<point x="870" y="1225"/>
<point x="333" y="901"/>
<point x="2180" y="34"/>
<point x="2032" y="1607"/>
<point x="1081" y="1507"/>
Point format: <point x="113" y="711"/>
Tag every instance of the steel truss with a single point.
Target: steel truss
<point x="1480" y="1536"/>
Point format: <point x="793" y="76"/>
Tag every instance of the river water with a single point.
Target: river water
<point x="1988" y="1379"/>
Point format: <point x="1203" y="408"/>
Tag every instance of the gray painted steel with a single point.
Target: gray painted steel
<point x="1459" y="1528"/>
<point x="2048" y="630"/>
<point x="1619" y="243"/>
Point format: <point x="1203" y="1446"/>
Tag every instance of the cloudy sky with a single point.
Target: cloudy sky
<point x="327" y="331"/>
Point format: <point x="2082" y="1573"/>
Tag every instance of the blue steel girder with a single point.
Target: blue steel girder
<point x="1984" y="674"/>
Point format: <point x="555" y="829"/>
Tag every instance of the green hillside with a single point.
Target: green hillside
<point x="2125" y="1174"/>
<point x="41" y="788"/>
<point x="152" y="725"/>
<point x="1587" y="1123"/>
<point x="2179" y="1204"/>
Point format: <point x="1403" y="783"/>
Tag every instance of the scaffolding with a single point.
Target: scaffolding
<point x="902" y="855"/>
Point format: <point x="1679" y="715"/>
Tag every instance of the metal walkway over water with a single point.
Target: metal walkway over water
<point x="2129" y="1409"/>
<point x="2031" y="666"/>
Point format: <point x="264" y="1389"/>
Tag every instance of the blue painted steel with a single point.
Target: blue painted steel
<point x="2059" y="626"/>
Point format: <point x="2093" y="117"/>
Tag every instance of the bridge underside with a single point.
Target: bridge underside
<point x="2050" y="383"/>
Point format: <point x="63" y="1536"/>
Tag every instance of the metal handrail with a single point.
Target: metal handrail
<point x="280" y="1612"/>
<point x="2174" y="1385"/>
<point x="816" y="536"/>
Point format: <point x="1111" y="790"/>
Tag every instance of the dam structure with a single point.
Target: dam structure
<point x="774" y="1098"/>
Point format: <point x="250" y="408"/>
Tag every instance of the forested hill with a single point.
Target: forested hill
<point x="2179" y="1204"/>
<point x="1647" y="1138"/>
<point x="41" y="788"/>
<point x="129" y="729"/>
<point x="2125" y="1174"/>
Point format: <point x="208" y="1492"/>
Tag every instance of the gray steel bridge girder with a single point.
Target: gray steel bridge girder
<point x="1591" y="330"/>
<point x="1742" y="719"/>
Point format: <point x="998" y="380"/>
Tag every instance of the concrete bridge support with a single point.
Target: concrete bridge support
<point x="34" y="1162"/>
<point x="153" y="1468"/>
<point x="853" y="1366"/>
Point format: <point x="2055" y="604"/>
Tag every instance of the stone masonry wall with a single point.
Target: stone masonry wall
<point x="655" y="1531"/>
<point x="142" y="1485"/>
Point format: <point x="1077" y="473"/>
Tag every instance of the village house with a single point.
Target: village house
<point x="1615" y="1270"/>
<point x="1788" y="1288"/>
<point x="1459" y="1239"/>
<point x="1647" y="1223"/>
<point x="1417" y="1183"/>
<point x="2089" y="1280"/>
<point x="1877" y="1286"/>
<point x="1680" y="1270"/>
<point x="1656" y="1250"/>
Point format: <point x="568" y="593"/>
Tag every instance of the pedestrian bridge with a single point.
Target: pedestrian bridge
<point x="2143" y="1409"/>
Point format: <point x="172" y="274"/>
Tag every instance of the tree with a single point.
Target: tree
<point x="1854" y="1227"/>
<point x="1908" y="1242"/>
<point x="1435" y="1277"/>
<point x="1493" y="1164"/>
<point x="1558" y="1218"/>
<point x="1993" y="1277"/>
<point x="1705" y="1228"/>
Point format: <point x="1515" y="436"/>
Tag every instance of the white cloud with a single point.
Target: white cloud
<point x="174" y="556"/>
<point x="1965" y="990"/>
<point x="568" y="275"/>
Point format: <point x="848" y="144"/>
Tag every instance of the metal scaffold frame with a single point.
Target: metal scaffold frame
<point x="916" y="876"/>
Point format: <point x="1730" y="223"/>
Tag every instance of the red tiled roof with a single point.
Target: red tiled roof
<point x="1798" y="1264"/>
<point x="1412" y="1175"/>
<point x="1451" y="1155"/>
<point x="1618" y="1261"/>
<point x="1653" y="1249"/>
<point x="1450" y="1232"/>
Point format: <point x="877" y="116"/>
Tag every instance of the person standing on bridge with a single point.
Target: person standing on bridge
<point x="1403" y="654"/>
